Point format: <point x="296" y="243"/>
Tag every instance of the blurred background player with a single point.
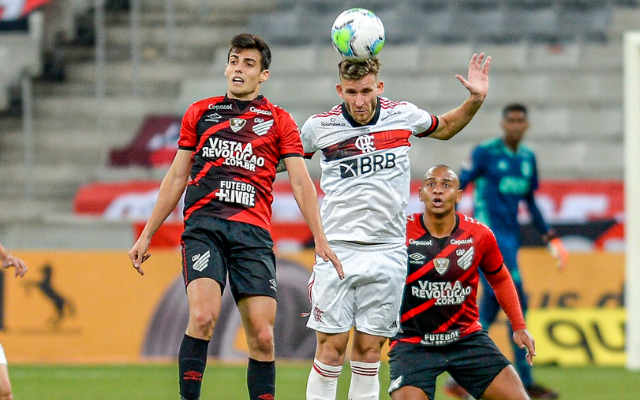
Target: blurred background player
<point x="439" y="327"/>
<point x="20" y="267"/>
<point x="229" y="147"/>
<point x="365" y="178"/>
<point x="505" y="173"/>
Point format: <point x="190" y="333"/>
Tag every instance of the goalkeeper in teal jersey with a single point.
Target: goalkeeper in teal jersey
<point x="504" y="173"/>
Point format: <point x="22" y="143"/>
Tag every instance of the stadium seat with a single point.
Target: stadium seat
<point x="531" y="24"/>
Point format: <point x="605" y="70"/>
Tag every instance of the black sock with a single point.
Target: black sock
<point x="192" y="360"/>
<point x="261" y="379"/>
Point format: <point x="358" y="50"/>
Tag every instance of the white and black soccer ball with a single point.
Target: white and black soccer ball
<point x="357" y="34"/>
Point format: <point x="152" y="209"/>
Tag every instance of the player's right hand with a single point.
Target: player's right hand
<point x="138" y="254"/>
<point x="15" y="262"/>
<point x="524" y="340"/>
<point x="326" y="253"/>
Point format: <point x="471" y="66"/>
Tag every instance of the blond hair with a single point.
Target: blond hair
<point x="354" y="70"/>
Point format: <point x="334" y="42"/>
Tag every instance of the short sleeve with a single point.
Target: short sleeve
<point x="290" y="145"/>
<point x="421" y="122"/>
<point x="188" y="135"/>
<point x="308" y="137"/>
<point x="491" y="256"/>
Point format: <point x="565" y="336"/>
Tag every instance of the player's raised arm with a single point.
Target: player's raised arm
<point x="171" y="190"/>
<point x="477" y="83"/>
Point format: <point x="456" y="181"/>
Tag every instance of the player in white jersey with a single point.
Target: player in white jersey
<point x="365" y="178"/>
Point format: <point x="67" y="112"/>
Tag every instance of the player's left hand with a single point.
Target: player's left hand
<point x="524" y="340"/>
<point x="326" y="253"/>
<point x="477" y="82"/>
<point x="556" y="247"/>
<point x="15" y="262"/>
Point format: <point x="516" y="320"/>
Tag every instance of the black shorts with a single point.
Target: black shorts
<point x="473" y="362"/>
<point x="214" y="248"/>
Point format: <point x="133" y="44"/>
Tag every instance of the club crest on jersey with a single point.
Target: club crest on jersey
<point x="236" y="124"/>
<point x="365" y="144"/>
<point x="262" y="128"/>
<point x="441" y="265"/>
<point x="465" y="257"/>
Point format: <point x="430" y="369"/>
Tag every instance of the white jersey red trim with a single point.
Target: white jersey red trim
<point x="365" y="169"/>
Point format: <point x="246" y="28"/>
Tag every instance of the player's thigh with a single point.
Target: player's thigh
<point x="475" y="361"/>
<point x="332" y="299"/>
<point x="415" y="366"/>
<point x="203" y="256"/>
<point x="506" y="386"/>
<point x="258" y="314"/>
<point x="379" y="295"/>
<point x="252" y="262"/>
<point x="409" y="393"/>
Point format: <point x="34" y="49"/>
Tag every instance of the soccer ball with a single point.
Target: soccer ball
<point x="357" y="34"/>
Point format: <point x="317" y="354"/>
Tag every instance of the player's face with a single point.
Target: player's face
<point x="514" y="125"/>
<point x="244" y="75"/>
<point x="361" y="96"/>
<point x="440" y="191"/>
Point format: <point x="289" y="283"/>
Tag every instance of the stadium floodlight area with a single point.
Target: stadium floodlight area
<point x="632" y="194"/>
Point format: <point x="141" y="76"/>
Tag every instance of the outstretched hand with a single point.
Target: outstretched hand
<point x="477" y="81"/>
<point x="138" y="254"/>
<point x="15" y="262"/>
<point x="326" y="253"/>
<point x="524" y="340"/>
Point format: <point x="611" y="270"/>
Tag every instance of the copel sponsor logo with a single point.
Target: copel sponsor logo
<point x="234" y="153"/>
<point x="220" y="107"/>
<point x="366" y="164"/>
<point x="421" y="242"/>
<point x="445" y="293"/>
<point x="365" y="144"/>
<point x="464" y="241"/>
<point x="259" y="111"/>
<point x="237" y="192"/>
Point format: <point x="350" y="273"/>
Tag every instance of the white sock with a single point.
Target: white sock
<point x="323" y="381"/>
<point x="364" y="381"/>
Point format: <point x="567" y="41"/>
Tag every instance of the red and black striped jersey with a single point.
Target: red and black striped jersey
<point x="236" y="147"/>
<point x="439" y="304"/>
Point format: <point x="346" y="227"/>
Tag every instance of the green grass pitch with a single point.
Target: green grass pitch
<point x="227" y="381"/>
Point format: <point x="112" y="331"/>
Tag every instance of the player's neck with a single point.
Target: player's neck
<point x="439" y="225"/>
<point x="511" y="144"/>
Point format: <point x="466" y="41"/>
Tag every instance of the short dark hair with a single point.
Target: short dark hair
<point x="513" y="107"/>
<point x="354" y="70"/>
<point x="250" y="41"/>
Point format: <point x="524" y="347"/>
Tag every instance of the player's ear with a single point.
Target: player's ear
<point x="458" y="196"/>
<point x="339" y="90"/>
<point x="264" y="75"/>
<point x="380" y="88"/>
<point x="420" y="194"/>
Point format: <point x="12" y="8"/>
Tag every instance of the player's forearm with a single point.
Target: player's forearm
<point x="169" y="195"/>
<point x="3" y="253"/>
<point x="507" y="297"/>
<point x="307" y="198"/>
<point x="455" y="120"/>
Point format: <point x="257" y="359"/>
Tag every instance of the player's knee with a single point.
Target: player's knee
<point x="329" y="354"/>
<point x="203" y="319"/>
<point x="6" y="394"/>
<point x="262" y="341"/>
<point x="367" y="352"/>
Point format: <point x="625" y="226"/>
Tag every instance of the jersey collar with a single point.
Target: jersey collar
<point x="353" y="122"/>
<point x="242" y="104"/>
<point x="455" y="227"/>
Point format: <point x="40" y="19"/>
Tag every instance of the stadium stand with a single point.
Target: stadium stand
<point x="570" y="74"/>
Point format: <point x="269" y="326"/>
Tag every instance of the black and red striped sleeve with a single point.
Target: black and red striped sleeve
<point x="290" y="143"/>
<point x="188" y="135"/>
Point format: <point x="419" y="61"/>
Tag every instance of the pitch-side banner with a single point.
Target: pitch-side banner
<point x="93" y="307"/>
<point x="16" y="9"/>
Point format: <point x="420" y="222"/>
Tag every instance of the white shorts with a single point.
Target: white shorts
<point x="3" y="358"/>
<point x="369" y="297"/>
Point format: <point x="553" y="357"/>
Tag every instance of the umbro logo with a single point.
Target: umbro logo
<point x="215" y="117"/>
<point x="417" y="258"/>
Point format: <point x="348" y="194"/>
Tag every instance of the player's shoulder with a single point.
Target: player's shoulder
<point x="327" y="120"/>
<point x="526" y="150"/>
<point x="491" y="146"/>
<point x="475" y="227"/>
<point x="336" y="111"/>
<point x="414" y="225"/>
<point x="210" y="103"/>
<point x="387" y="104"/>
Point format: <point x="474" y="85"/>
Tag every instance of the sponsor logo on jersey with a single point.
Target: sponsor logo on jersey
<point x="215" y="117"/>
<point x="465" y="258"/>
<point x="220" y="107"/>
<point x="333" y="122"/>
<point x="463" y="241"/>
<point x="237" y="123"/>
<point x="421" y="242"/>
<point x="441" y="265"/>
<point x="391" y="114"/>
<point x="262" y="128"/>
<point x="237" y="192"/>
<point x="258" y="120"/>
<point x="259" y="111"/>
<point x="273" y="285"/>
<point x="233" y="153"/>
<point x="395" y="385"/>
<point x="366" y="164"/>
<point x="365" y="144"/>
<point x="200" y="262"/>
<point x="445" y="293"/>
<point x="440" y="339"/>
<point x="416" y="258"/>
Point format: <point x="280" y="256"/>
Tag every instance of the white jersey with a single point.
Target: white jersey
<point x="365" y="169"/>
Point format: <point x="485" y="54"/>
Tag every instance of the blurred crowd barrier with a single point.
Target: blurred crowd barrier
<point x="94" y="307"/>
